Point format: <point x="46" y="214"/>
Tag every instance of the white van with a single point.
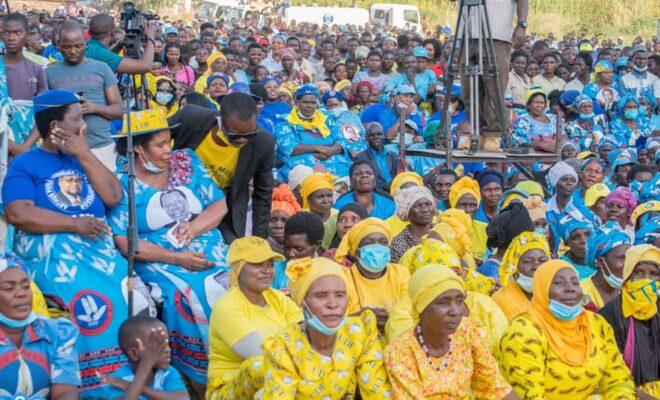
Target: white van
<point x="402" y="16"/>
<point x="327" y="15"/>
<point x="215" y="9"/>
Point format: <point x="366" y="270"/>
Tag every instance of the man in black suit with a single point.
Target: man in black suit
<point x="234" y="151"/>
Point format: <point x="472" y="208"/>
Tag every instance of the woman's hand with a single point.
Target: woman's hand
<point x="90" y="227"/>
<point x="186" y="232"/>
<point x="74" y="145"/>
<point x="192" y="261"/>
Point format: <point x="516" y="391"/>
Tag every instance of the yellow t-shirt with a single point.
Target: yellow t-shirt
<point x="383" y="292"/>
<point x="479" y="239"/>
<point x="220" y="160"/>
<point x="233" y="318"/>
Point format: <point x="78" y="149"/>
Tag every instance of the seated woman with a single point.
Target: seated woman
<point x="604" y="89"/>
<point x="402" y="180"/>
<point x="521" y="260"/>
<point x="38" y="353"/>
<point x="634" y="317"/>
<point x="606" y="249"/>
<point x="318" y="195"/>
<point x="374" y="282"/>
<point x="348" y="123"/>
<point x="465" y="195"/>
<point x="620" y="204"/>
<point x="163" y="96"/>
<point x="328" y="355"/>
<point x="283" y="207"/>
<point x="182" y="253"/>
<point x="306" y="138"/>
<point x="629" y="125"/>
<point x="587" y="129"/>
<point x="536" y="129"/>
<point x="444" y="356"/>
<point x="58" y="196"/>
<point x="250" y="312"/>
<point x="217" y="84"/>
<point x="417" y="205"/>
<point x="592" y="172"/>
<point x="556" y="349"/>
<point x="575" y="233"/>
<point x="363" y="183"/>
<point x="347" y="217"/>
<point x="217" y="62"/>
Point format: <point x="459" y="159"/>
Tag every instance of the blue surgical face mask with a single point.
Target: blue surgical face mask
<point x="151" y="167"/>
<point x="640" y="70"/>
<point x="319" y="326"/>
<point x="643" y="110"/>
<point x="586" y="117"/>
<point x="336" y="112"/>
<point x="563" y="312"/>
<point x="164" y="98"/>
<point x="525" y="282"/>
<point x="541" y="231"/>
<point x="17" y="323"/>
<point x="614" y="281"/>
<point x="631" y="114"/>
<point x="374" y="257"/>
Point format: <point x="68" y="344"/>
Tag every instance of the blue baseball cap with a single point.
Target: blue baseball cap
<point x="403" y="89"/>
<point x="54" y="98"/>
<point x="421" y="52"/>
<point x="171" y="29"/>
<point x="307" y="89"/>
<point x="621" y="62"/>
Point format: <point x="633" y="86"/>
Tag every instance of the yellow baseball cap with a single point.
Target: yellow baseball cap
<point x="595" y="193"/>
<point x="643" y="209"/>
<point x="144" y="122"/>
<point x="533" y="91"/>
<point x="586" y="47"/>
<point x="251" y="249"/>
<point x="586" y="154"/>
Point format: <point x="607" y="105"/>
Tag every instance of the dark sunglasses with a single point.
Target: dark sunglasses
<point x="234" y="136"/>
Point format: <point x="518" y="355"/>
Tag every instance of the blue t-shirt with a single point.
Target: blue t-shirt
<point x="384" y="207"/>
<point x="385" y="116"/>
<point x="56" y="182"/>
<point x="167" y="381"/>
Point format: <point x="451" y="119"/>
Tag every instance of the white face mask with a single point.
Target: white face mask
<point x="149" y="166"/>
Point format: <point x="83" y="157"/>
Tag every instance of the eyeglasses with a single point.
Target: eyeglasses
<point x="234" y="136"/>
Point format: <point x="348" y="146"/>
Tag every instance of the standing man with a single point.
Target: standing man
<point x="228" y="141"/>
<point x="101" y="101"/>
<point x="101" y="27"/>
<point x="500" y="15"/>
<point x="639" y="78"/>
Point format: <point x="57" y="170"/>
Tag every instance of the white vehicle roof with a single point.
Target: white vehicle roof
<point x="319" y="15"/>
<point x="225" y="3"/>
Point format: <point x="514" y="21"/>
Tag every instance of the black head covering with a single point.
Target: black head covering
<point x="356" y="208"/>
<point x="509" y="223"/>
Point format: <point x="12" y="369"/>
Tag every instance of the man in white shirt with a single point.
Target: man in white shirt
<point x="640" y="77"/>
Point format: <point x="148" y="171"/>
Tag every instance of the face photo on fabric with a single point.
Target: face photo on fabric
<point x="175" y="204"/>
<point x="69" y="191"/>
<point x="215" y="285"/>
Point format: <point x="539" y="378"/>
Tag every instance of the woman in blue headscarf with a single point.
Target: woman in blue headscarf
<point x="307" y="138"/>
<point x="629" y="124"/>
<point x="575" y="233"/>
<point x="587" y="129"/>
<point x="38" y="356"/>
<point x="348" y="123"/>
<point x="606" y="252"/>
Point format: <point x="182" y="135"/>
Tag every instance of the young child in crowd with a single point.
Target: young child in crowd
<point x="148" y="375"/>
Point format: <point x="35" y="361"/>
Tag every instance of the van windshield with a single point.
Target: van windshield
<point x="207" y="10"/>
<point x="411" y="16"/>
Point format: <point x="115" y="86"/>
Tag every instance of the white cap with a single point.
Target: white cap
<point x="298" y="174"/>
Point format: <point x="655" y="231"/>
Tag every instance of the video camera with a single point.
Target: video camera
<point x="134" y="22"/>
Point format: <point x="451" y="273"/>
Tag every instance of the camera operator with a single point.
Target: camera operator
<point x="101" y="28"/>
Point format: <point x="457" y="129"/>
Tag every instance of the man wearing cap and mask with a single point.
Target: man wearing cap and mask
<point x="639" y="78"/>
<point x="228" y="141"/>
<point x="392" y="118"/>
<point x="416" y="74"/>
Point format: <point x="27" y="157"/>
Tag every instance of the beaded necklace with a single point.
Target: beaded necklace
<point x="445" y="360"/>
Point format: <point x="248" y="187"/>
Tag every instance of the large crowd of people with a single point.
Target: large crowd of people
<point x="289" y="245"/>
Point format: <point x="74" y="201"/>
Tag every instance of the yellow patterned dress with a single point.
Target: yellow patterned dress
<point x="535" y="371"/>
<point x="293" y="370"/>
<point x="468" y="370"/>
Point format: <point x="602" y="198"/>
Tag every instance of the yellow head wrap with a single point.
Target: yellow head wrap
<point x="643" y="209"/>
<point x="536" y="207"/>
<point x="431" y="251"/>
<point x="403" y="178"/>
<point x="303" y="272"/>
<point x="249" y="249"/>
<point x="530" y="187"/>
<point x="429" y="282"/>
<point x="342" y="84"/>
<point x="637" y="296"/>
<point x="314" y="182"/>
<point x="522" y="243"/>
<point x="570" y="340"/>
<point x="351" y="240"/>
<point x="461" y="226"/>
<point x="212" y="58"/>
<point x="463" y="186"/>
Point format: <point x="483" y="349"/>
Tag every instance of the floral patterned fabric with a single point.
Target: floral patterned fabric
<point x="527" y="128"/>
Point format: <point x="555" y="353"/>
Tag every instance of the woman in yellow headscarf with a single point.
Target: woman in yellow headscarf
<point x="481" y="306"/>
<point x="466" y="195"/>
<point x="163" y="96"/>
<point x="317" y="191"/>
<point x="444" y="354"/>
<point x="374" y="282"/>
<point x="248" y="313"/>
<point x="523" y="257"/>
<point x="217" y="62"/>
<point x="402" y="180"/>
<point x="557" y="349"/>
<point x="635" y="320"/>
<point x="329" y="355"/>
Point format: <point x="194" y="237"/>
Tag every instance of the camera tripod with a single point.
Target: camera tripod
<point x="472" y="28"/>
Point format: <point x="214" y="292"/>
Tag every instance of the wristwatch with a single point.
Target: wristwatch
<point x="522" y="24"/>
